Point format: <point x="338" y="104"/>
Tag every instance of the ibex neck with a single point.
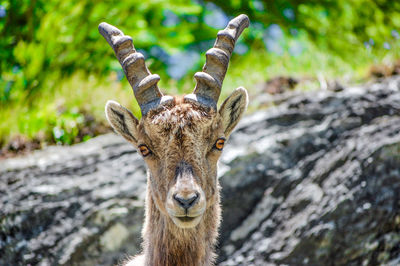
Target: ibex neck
<point x="167" y="245"/>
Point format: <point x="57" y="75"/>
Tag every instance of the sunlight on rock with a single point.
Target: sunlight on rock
<point x="114" y="237"/>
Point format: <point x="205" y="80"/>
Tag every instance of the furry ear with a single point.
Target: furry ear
<point x="233" y="108"/>
<point x="122" y="120"/>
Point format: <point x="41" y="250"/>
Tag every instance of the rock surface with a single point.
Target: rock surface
<point x="314" y="180"/>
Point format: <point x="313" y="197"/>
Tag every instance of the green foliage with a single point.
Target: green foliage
<point x="62" y="37"/>
<point x="52" y="56"/>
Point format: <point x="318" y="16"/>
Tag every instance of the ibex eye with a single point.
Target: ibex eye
<point x="144" y="150"/>
<point x="219" y="144"/>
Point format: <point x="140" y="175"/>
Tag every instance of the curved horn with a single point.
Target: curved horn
<point x="144" y="84"/>
<point x="209" y="81"/>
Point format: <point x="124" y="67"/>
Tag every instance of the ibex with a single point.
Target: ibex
<point x="180" y="139"/>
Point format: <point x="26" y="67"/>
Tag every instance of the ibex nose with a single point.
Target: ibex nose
<point x="188" y="202"/>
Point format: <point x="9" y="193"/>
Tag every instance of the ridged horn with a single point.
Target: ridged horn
<point x="209" y="81"/>
<point x="143" y="83"/>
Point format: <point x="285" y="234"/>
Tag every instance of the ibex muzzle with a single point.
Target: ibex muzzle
<point x="186" y="201"/>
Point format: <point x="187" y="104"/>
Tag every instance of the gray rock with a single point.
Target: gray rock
<point x="314" y="180"/>
<point x="65" y="205"/>
<point x="320" y="182"/>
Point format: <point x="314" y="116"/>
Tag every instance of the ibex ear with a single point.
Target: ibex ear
<point x="122" y="120"/>
<point x="233" y="108"/>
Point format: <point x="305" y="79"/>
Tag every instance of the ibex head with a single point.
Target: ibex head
<point x="180" y="139"/>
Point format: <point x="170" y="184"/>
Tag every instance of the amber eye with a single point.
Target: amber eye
<point x="144" y="150"/>
<point x="219" y="144"/>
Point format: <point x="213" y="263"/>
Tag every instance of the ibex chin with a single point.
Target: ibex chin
<point x="181" y="140"/>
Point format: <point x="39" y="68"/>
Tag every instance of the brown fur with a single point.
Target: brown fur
<point x="180" y="134"/>
<point x="183" y="160"/>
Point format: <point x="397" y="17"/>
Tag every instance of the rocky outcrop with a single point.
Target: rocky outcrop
<point x="314" y="180"/>
<point x="72" y="204"/>
<point x="318" y="182"/>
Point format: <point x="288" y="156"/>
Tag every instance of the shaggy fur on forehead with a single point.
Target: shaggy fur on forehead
<point x="181" y="114"/>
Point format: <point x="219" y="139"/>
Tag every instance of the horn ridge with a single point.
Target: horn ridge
<point x="209" y="80"/>
<point x="143" y="83"/>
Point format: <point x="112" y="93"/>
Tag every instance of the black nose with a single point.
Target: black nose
<point x="186" y="203"/>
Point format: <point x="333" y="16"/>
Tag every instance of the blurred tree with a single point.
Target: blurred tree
<point x="50" y="39"/>
<point x="44" y="43"/>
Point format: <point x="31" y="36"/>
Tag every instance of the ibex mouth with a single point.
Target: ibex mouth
<point x="186" y="221"/>
<point x="186" y="218"/>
